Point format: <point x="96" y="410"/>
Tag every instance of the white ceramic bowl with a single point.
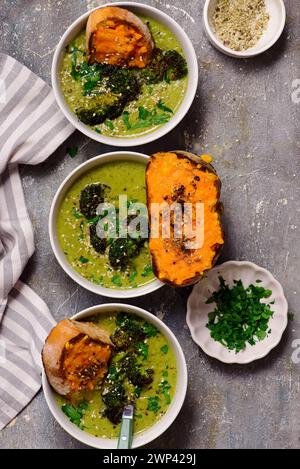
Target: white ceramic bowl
<point x="277" y="12"/>
<point x="189" y="54"/>
<point x="198" y="310"/>
<point x="158" y="428"/>
<point x="60" y="256"/>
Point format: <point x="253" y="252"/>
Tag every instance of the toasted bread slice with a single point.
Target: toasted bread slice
<point x="75" y="356"/>
<point x="116" y="36"/>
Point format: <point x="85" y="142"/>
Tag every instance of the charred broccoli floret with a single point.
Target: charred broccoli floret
<point x="124" y="83"/>
<point x="135" y="373"/>
<point x="91" y="196"/>
<point x="166" y="65"/>
<point x="114" y="398"/>
<point x="122" y="250"/>
<point x="129" y="333"/>
<point x="121" y="86"/>
<point x="104" y="106"/>
<point x="177" y="66"/>
<point x="99" y="244"/>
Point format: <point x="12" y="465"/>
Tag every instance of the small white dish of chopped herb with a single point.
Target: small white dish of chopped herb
<point x="237" y="313"/>
<point x="244" y="28"/>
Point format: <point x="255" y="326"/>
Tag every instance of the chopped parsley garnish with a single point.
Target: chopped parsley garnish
<point x="76" y="213"/>
<point x="163" y="107"/>
<point x="142" y="349"/>
<point x="153" y="404"/>
<point x="150" y="330"/>
<point x="164" y="388"/>
<point x="164" y="349"/>
<point x="109" y="124"/>
<point x="125" y="117"/>
<point x="94" y="219"/>
<point x="147" y="270"/>
<point x="148" y="118"/>
<point x="83" y="260"/>
<point x="239" y="316"/>
<point x="72" y="151"/>
<point x="291" y="316"/>
<point x="132" y="276"/>
<point x="75" y="414"/>
<point x="116" y="280"/>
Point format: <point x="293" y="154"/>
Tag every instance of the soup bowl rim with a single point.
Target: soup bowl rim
<point x="159" y="427"/>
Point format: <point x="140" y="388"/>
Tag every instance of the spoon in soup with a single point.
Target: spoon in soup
<point x="125" y="437"/>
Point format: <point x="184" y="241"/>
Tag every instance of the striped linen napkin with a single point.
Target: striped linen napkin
<point x="31" y="128"/>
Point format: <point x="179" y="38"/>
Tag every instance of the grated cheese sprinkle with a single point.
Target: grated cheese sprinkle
<point x="240" y="24"/>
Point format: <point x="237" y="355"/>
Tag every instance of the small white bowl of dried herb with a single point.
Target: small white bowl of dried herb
<point x="244" y="28"/>
<point x="238" y="313"/>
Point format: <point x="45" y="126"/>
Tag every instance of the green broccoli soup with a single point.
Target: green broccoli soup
<point x="108" y="260"/>
<point x="142" y="370"/>
<point x="126" y="102"/>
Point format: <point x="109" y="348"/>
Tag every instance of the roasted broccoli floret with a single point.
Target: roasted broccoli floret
<point x="99" y="244"/>
<point x="177" y="66"/>
<point x="122" y="81"/>
<point x="122" y="250"/>
<point x="91" y="196"/>
<point x="135" y="372"/>
<point x="129" y="333"/>
<point x="104" y="106"/>
<point x="114" y="398"/>
<point x="121" y="86"/>
<point x="165" y="65"/>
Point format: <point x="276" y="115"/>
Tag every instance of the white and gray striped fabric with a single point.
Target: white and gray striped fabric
<point x="31" y="128"/>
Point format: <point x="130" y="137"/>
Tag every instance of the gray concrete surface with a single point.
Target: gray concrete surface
<point x="243" y="115"/>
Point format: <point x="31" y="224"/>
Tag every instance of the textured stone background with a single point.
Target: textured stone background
<point x="245" y="117"/>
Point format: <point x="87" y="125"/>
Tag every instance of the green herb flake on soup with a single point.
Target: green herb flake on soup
<point x="142" y="369"/>
<point x="120" y="102"/>
<point x="111" y="263"/>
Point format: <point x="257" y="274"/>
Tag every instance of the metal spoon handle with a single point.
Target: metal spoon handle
<point x="125" y="437"/>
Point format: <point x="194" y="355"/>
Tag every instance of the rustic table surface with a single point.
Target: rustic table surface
<point x="245" y="115"/>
